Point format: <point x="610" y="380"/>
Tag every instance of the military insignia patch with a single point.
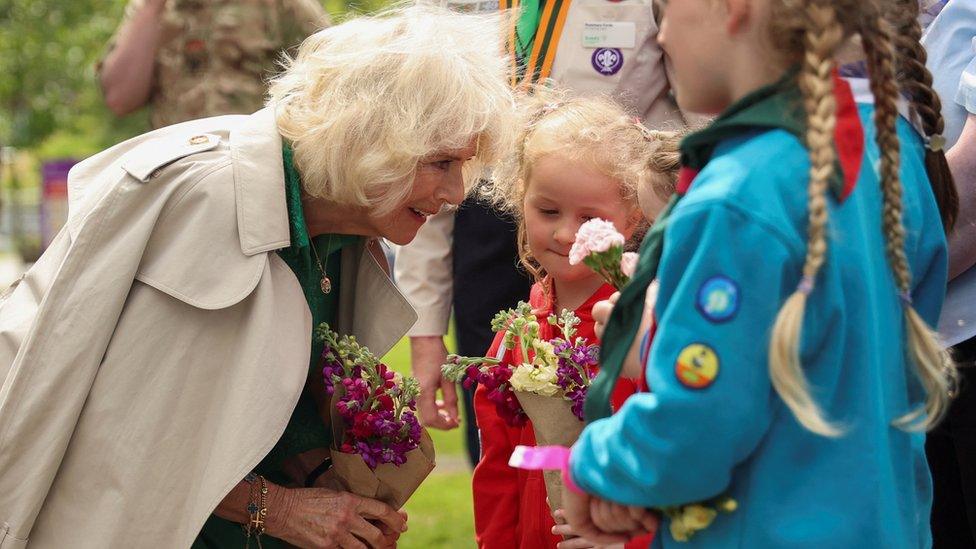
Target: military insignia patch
<point x="697" y="366"/>
<point x="718" y="299"/>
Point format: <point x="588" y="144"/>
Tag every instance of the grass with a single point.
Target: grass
<point x="441" y="511"/>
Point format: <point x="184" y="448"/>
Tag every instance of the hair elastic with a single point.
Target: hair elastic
<point x="906" y="298"/>
<point x="935" y="143"/>
<point x="805" y="286"/>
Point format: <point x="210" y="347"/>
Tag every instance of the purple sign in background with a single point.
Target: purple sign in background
<point x="54" y="197"/>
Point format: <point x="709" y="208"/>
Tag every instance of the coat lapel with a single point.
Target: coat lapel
<point x="259" y="183"/>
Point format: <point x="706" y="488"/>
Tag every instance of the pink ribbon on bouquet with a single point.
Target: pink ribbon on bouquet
<point x="545" y="458"/>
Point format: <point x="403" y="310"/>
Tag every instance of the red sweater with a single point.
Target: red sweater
<point x="510" y="509"/>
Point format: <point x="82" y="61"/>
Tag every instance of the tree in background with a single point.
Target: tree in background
<point x="49" y="96"/>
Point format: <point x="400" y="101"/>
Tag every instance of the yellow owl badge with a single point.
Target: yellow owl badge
<point x="697" y="366"/>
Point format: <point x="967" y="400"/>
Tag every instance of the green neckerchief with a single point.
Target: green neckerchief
<point x="776" y="106"/>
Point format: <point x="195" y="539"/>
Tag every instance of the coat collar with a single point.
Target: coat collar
<point x="259" y="183"/>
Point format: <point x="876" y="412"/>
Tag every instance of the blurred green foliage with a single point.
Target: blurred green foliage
<point x="48" y="50"/>
<point x="50" y="101"/>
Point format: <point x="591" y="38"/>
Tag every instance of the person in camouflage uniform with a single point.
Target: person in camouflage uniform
<point x="191" y="59"/>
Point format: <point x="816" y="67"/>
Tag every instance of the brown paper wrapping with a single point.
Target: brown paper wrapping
<point x="387" y="483"/>
<point x="554" y="424"/>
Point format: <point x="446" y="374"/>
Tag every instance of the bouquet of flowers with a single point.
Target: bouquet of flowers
<point x="546" y="381"/>
<point x="600" y="247"/>
<point x="379" y="448"/>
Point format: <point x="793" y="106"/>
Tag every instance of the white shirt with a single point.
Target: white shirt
<point x="950" y="42"/>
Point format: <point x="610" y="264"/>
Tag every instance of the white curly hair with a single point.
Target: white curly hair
<point x="364" y="102"/>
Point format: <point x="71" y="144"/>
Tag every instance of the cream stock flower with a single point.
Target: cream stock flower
<point x="540" y="380"/>
<point x="545" y="354"/>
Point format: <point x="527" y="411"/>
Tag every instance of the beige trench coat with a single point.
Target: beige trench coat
<point x="155" y="352"/>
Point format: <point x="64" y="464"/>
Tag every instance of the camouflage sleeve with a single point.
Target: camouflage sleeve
<point x="131" y="8"/>
<point x="300" y="18"/>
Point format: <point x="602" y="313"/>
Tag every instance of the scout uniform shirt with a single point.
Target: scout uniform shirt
<point x="732" y="253"/>
<point x="596" y="47"/>
<point x="214" y="56"/>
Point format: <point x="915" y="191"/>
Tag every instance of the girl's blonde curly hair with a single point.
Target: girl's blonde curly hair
<point x="595" y="130"/>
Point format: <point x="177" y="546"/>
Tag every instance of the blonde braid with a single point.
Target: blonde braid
<point x="663" y="161"/>
<point x="915" y="81"/>
<point x="933" y="365"/>
<point x="823" y="35"/>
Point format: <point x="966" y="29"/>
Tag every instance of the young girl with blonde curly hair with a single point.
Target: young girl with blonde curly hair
<point x="579" y="159"/>
<point x="801" y="264"/>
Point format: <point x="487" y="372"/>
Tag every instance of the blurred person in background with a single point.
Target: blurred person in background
<point x="190" y="59"/>
<point x="950" y="42"/>
<point x="468" y="260"/>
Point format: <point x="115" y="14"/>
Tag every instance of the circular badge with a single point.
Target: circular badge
<point x="718" y="299"/>
<point x="607" y="61"/>
<point x="697" y="366"/>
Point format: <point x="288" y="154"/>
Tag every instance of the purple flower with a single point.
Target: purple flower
<point x="586" y="355"/>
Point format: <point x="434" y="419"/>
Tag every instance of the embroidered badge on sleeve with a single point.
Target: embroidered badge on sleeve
<point x="718" y="299"/>
<point x="697" y="366"/>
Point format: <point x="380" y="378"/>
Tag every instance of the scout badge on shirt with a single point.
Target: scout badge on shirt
<point x="718" y="299"/>
<point x="697" y="366"/>
<point x="607" y="61"/>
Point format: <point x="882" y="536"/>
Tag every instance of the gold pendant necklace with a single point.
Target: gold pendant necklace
<point x="326" y="283"/>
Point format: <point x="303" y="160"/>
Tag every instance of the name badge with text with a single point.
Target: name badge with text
<point x="610" y="34"/>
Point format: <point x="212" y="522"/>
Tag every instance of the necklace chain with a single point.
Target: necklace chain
<point x="326" y="283"/>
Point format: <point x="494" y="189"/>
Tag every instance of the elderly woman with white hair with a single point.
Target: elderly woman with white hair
<point x="157" y="365"/>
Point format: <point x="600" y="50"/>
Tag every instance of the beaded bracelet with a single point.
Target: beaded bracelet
<point x="257" y="508"/>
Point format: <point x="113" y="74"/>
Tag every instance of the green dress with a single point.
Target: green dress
<point x="305" y="430"/>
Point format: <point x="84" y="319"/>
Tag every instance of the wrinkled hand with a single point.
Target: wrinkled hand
<point x="323" y="518"/>
<point x="427" y="355"/>
<point x="578" y="515"/>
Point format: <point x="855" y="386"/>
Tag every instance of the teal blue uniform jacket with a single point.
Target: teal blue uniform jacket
<point x="713" y="424"/>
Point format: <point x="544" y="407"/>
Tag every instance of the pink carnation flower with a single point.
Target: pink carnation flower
<point x="628" y="263"/>
<point x="594" y="236"/>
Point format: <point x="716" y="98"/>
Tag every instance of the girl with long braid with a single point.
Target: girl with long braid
<point x="949" y="448"/>
<point x="801" y="263"/>
<point x="924" y="104"/>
